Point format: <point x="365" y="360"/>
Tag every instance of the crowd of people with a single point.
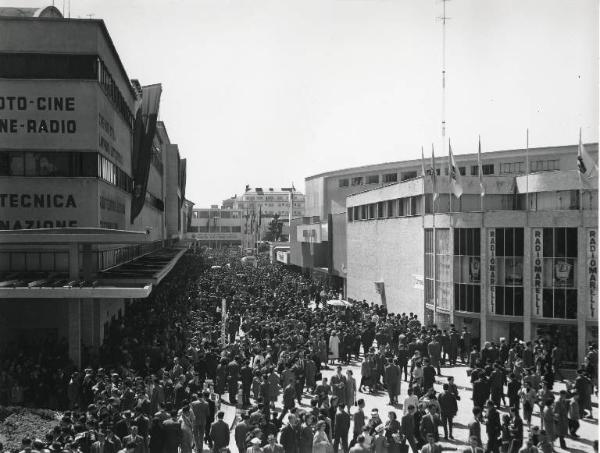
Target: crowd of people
<point x="217" y="333"/>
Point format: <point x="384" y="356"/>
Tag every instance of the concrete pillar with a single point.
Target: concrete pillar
<point x="74" y="324"/>
<point x="74" y="310"/>
<point x="528" y="296"/>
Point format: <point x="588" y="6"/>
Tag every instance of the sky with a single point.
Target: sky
<point x="268" y="92"/>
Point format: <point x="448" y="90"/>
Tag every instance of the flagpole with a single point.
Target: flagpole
<point x="527" y="174"/>
<point x="481" y="195"/>
<point x="580" y="183"/>
<point x="449" y="178"/>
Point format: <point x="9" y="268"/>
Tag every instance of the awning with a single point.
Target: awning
<point x="147" y="269"/>
<point x="57" y="286"/>
<point x="80" y="235"/>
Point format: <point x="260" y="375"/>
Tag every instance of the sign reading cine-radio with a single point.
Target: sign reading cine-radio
<point x="54" y="114"/>
<point x="14" y="125"/>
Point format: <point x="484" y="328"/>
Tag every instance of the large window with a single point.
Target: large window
<point x="390" y="177"/>
<point x="373" y="179"/>
<point x="509" y="251"/>
<point x="47" y="66"/>
<point x="408" y="175"/>
<point x="357" y="181"/>
<point x="438" y="261"/>
<point x="50" y="163"/>
<point x="560" y="273"/>
<point x="342" y="182"/>
<point x="512" y="168"/>
<point x="467" y="269"/>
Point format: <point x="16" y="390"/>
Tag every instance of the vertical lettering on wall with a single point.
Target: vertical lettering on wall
<point x="492" y="267"/>
<point x="538" y="260"/>
<point x="592" y="262"/>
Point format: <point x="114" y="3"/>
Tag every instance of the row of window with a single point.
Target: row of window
<point x="64" y="164"/>
<point x="65" y="66"/>
<point x="224" y="214"/>
<point x="558" y="277"/>
<point x="215" y="229"/>
<point x="400" y="207"/>
<point x="508" y="168"/>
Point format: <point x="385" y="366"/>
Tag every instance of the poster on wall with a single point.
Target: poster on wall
<point x="492" y="268"/>
<point x="592" y="263"/>
<point x="537" y="253"/>
<point x="513" y="271"/>
<point x="474" y="269"/>
<point x="563" y="273"/>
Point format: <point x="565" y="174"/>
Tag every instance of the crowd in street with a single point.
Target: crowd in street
<point x="217" y="333"/>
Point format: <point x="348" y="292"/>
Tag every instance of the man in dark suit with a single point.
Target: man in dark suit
<point x="200" y="409"/>
<point x="246" y="377"/>
<point x="241" y="431"/>
<point x="136" y="439"/>
<point x="219" y="433"/>
<point x="492" y="427"/>
<point x="408" y="428"/>
<point x="212" y="408"/>
<point x="428" y="375"/>
<point x="475" y="425"/>
<point x="342" y="426"/>
<point x="448" y="409"/>
<point x="290" y="435"/>
<point x="233" y="376"/>
<point x="429" y="423"/>
<point x="173" y="435"/>
<point x="358" y="421"/>
<point x="481" y="391"/>
<point x="391" y="379"/>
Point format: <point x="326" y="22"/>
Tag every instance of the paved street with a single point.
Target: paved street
<point x="588" y="430"/>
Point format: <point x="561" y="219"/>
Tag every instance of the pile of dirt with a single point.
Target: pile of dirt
<point x="19" y="422"/>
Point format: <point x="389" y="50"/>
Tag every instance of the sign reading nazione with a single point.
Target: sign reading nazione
<point x="538" y="260"/>
<point x="54" y="201"/>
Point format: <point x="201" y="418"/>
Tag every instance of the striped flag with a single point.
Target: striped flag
<point x="588" y="170"/>
<point x="455" y="177"/>
<point x="482" y="187"/>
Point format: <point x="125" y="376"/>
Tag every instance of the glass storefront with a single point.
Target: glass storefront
<point x="560" y="273"/>
<point x="467" y="269"/>
<point x="565" y="336"/>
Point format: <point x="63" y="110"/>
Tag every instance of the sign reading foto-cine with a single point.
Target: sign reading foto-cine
<point x="14" y="124"/>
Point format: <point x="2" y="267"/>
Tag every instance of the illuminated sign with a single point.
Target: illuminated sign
<point x="538" y="261"/>
<point x="492" y="268"/>
<point x="592" y="262"/>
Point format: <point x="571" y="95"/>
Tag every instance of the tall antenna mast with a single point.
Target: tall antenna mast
<point x="444" y="18"/>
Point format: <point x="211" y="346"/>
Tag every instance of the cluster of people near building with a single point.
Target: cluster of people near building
<point x="216" y="333"/>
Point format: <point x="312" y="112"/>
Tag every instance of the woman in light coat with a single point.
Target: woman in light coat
<point x="321" y="442"/>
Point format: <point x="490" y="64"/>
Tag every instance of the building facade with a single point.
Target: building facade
<point x="215" y="227"/>
<point x="73" y="168"/>
<point x="517" y="262"/>
<point x="260" y="206"/>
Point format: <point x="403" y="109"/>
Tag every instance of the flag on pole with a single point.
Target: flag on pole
<point x="482" y="187"/>
<point x="423" y="163"/>
<point x="588" y="170"/>
<point x="259" y="216"/>
<point x="455" y="178"/>
<point x="433" y="175"/>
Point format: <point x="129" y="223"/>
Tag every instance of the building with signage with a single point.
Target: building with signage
<point x="267" y="203"/>
<point x="92" y="191"/>
<point x="519" y="261"/>
<point x="215" y="227"/>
